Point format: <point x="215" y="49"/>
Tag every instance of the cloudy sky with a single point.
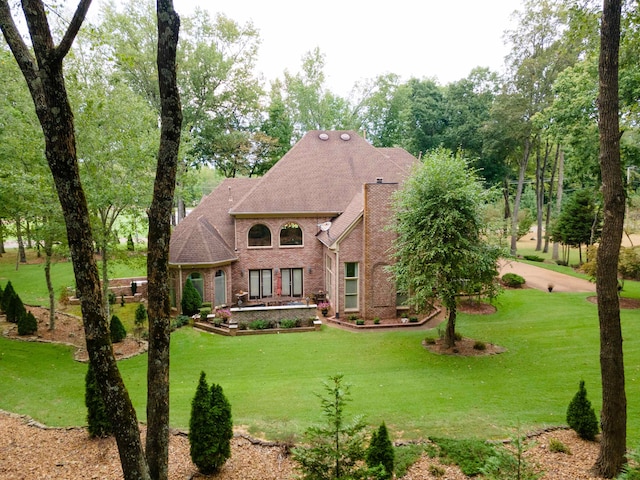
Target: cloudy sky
<point x="363" y="39"/>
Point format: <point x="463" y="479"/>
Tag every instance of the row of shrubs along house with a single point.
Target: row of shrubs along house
<point x="313" y="227"/>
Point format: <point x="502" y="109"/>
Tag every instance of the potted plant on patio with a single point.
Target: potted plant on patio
<point x="324" y="308"/>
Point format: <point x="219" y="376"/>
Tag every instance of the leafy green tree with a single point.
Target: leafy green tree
<point x="210" y="427"/>
<point x="98" y="423"/>
<point x="335" y="450"/>
<point x="380" y="452"/>
<point x="118" y="332"/>
<point x="191" y="299"/>
<point x="581" y="417"/>
<point x="141" y="315"/>
<point x="439" y="215"/>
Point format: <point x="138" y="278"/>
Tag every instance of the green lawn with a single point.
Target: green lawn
<point x="271" y="380"/>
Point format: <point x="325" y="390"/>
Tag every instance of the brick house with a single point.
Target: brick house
<point x="313" y="226"/>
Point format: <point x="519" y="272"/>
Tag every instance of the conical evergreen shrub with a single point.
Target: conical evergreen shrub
<point x="15" y="310"/>
<point x="118" y="332"/>
<point x="581" y="416"/>
<point x="210" y="427"/>
<point x="191" y="299"/>
<point x="7" y="294"/>
<point x="98" y="423"/>
<point x="27" y="324"/>
<point x="381" y="453"/>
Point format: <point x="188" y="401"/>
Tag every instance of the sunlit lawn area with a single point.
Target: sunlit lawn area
<point x="271" y="380"/>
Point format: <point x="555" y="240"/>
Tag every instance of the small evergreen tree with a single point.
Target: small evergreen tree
<point x="7" y="294"/>
<point x="337" y="449"/>
<point x="15" y="310"/>
<point x="141" y="315"/>
<point x="380" y="452"/>
<point x="98" y="423"/>
<point x="191" y="299"/>
<point x="210" y="427"/>
<point x="130" y="245"/>
<point x="118" y="332"/>
<point x="27" y="324"/>
<point x="581" y="416"/>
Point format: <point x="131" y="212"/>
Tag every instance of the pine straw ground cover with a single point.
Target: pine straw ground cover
<point x="31" y="451"/>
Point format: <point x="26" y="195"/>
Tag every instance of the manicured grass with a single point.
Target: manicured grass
<point x="29" y="281"/>
<point x="272" y="380"/>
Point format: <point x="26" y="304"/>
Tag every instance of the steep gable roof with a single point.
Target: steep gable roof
<point x="206" y="236"/>
<point x="321" y="174"/>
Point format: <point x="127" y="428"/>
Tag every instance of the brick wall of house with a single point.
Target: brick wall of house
<point x="178" y="278"/>
<point x="309" y="257"/>
<point x="379" y="294"/>
<point x="351" y="251"/>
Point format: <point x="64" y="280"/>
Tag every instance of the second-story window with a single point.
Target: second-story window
<point x="290" y="235"/>
<point x="259" y="236"/>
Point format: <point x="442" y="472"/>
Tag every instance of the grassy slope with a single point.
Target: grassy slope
<point x="271" y="381"/>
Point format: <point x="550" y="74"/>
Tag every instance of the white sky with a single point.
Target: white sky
<point x="440" y="39"/>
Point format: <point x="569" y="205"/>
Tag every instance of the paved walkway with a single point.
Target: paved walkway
<point x="540" y="278"/>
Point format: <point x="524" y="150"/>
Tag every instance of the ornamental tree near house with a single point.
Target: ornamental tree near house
<point x="440" y="250"/>
<point x="41" y="64"/>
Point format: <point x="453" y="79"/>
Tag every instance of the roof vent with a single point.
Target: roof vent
<point x="323" y="136"/>
<point x="345" y="136"/>
<point x="379" y="180"/>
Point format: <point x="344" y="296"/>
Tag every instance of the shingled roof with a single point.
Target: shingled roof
<point x="206" y="236"/>
<point x="321" y="175"/>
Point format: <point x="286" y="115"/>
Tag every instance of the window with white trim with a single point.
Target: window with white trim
<point x="290" y="235"/>
<point x="259" y="236"/>
<point x="260" y="283"/>
<point x="328" y="278"/>
<point x="292" y="282"/>
<point x="220" y="287"/>
<point x="351" y="286"/>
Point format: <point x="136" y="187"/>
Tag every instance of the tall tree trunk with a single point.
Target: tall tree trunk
<point x="613" y="417"/>
<point x="547" y="222"/>
<point x="22" y="255"/>
<point x="48" y="253"/>
<point x="559" y="193"/>
<point x="516" y="203"/>
<point x="450" y="334"/>
<point x="45" y="79"/>
<point x="157" y="446"/>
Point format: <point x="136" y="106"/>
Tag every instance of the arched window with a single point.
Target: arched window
<point x="259" y="236"/>
<point x="198" y="283"/>
<point x="290" y="235"/>
<point x="220" y="288"/>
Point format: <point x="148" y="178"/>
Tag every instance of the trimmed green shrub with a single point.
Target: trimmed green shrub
<point x="479" y="345"/>
<point x="134" y="288"/>
<point x="380" y="452"/>
<point x="556" y="446"/>
<point x="7" y="294"/>
<point x="191" y="299"/>
<point x="111" y="298"/>
<point x="359" y="322"/>
<point x="513" y="280"/>
<point x="259" y="325"/>
<point x="27" y="324"/>
<point x="413" y="319"/>
<point x="581" y="417"/>
<point x="533" y="258"/>
<point x="141" y="315"/>
<point x="210" y="427"/>
<point x="288" y="323"/>
<point x="130" y="245"/>
<point x="180" y="321"/>
<point x="15" y="310"/>
<point x="98" y="423"/>
<point x="118" y="332"/>
<point x="204" y="313"/>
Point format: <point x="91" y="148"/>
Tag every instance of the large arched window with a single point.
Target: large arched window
<point x="259" y="236"/>
<point x="290" y="235"/>
<point x="198" y="283"/>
